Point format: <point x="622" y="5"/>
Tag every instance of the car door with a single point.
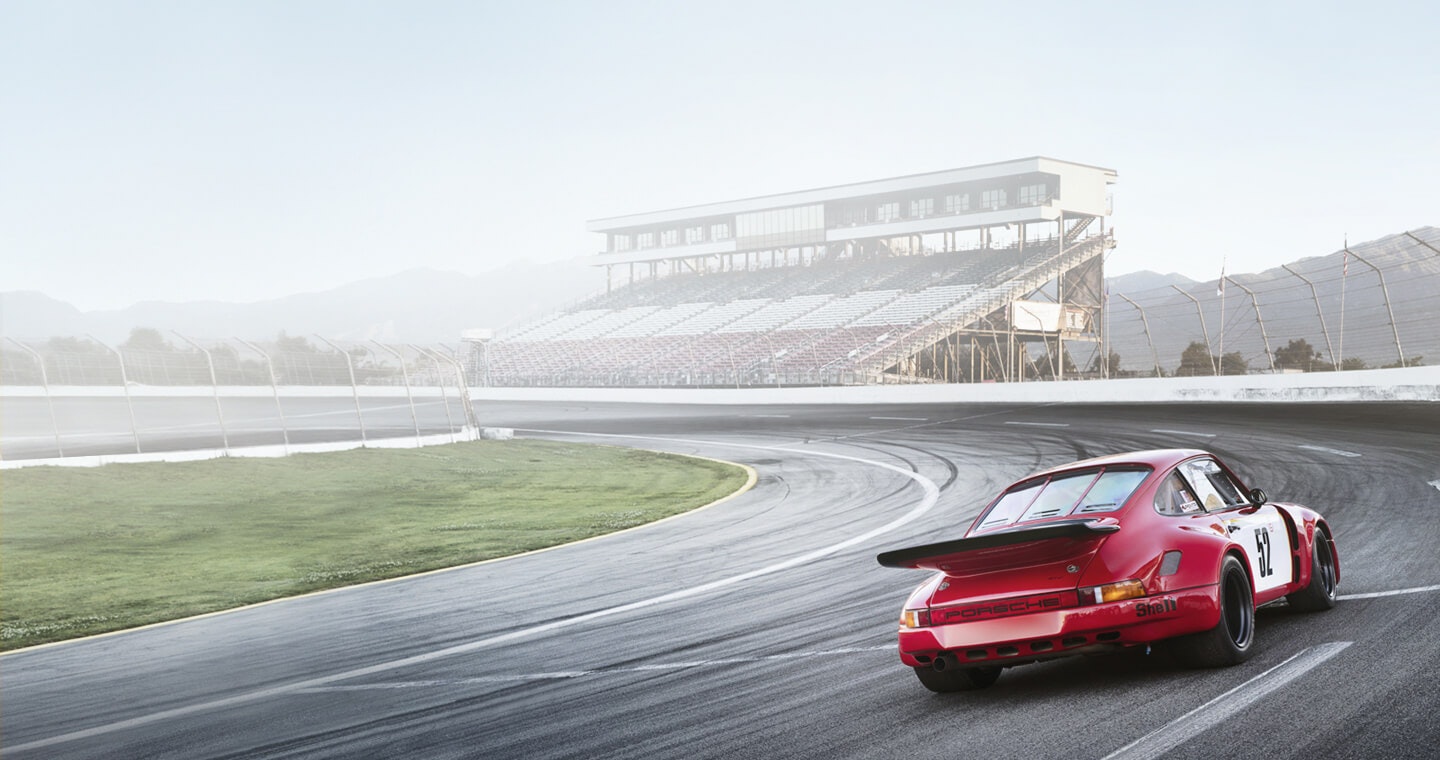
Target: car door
<point x="1260" y="533"/>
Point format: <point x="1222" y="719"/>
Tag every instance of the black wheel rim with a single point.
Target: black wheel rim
<point x="1239" y="612"/>
<point x="1327" y="566"/>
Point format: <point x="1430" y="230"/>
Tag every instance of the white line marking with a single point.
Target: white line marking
<point x="1338" y="452"/>
<point x="1378" y="594"/>
<point x="773" y="416"/>
<point x="1184" y="432"/>
<point x="1040" y="424"/>
<point x="903" y="419"/>
<point x="927" y="502"/>
<point x="566" y="674"/>
<point x="1219" y="709"/>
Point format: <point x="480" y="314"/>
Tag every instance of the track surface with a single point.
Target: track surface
<point x="763" y="627"/>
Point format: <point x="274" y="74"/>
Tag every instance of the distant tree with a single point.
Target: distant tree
<point x="293" y="344"/>
<point x="1103" y="365"/>
<point x="1414" y="361"/>
<point x="1045" y="366"/>
<point x="1353" y="362"/>
<point x="146" y="339"/>
<point x="1298" y="354"/>
<point x="1234" y="364"/>
<point x="64" y="344"/>
<point x="1196" y="359"/>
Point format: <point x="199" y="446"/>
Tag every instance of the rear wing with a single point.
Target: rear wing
<point x="933" y="555"/>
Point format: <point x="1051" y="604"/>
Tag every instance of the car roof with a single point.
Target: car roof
<point x="1159" y="459"/>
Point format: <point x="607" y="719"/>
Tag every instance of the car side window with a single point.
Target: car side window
<point x="1174" y="497"/>
<point x="1214" y="487"/>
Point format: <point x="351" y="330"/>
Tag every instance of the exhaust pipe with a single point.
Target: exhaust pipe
<point x="946" y="661"/>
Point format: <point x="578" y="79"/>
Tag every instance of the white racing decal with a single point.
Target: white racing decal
<point x="926" y="503"/>
<point x="1336" y="452"/>
<point x="1184" y="432"/>
<point x="1221" y="708"/>
<point x="567" y="674"/>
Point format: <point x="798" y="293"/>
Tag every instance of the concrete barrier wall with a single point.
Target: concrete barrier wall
<point x="1407" y="384"/>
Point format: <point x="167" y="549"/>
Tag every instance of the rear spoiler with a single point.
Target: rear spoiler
<point x="912" y="556"/>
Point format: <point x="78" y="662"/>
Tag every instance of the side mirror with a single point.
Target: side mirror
<point x="1258" y="497"/>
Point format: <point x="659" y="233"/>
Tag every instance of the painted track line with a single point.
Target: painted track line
<point x="1398" y="592"/>
<point x="1336" y="452"/>
<point x="1221" y="708"/>
<point x="927" y="502"/>
<point x="903" y="419"/>
<point x="1184" y="432"/>
<point x="1039" y="424"/>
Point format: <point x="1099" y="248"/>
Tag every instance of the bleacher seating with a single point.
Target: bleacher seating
<point x="800" y="323"/>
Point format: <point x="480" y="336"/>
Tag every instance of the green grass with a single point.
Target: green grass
<point x="89" y="550"/>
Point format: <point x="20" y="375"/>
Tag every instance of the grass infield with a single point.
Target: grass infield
<point x="90" y="550"/>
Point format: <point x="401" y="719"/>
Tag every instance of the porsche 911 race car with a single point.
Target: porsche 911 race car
<point x="1106" y="553"/>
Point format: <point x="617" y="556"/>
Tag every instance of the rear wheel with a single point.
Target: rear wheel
<point x="957" y="679"/>
<point x="1320" y="593"/>
<point x="1229" y="642"/>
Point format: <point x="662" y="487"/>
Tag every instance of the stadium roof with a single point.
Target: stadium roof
<point x="896" y="185"/>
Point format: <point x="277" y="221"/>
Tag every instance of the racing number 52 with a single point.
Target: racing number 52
<point x="1262" y="548"/>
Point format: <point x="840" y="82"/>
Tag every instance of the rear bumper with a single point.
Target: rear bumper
<point x="1040" y="635"/>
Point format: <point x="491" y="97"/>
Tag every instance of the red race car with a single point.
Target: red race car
<point x="1107" y="553"/>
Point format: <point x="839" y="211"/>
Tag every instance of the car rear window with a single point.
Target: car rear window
<point x="1065" y="493"/>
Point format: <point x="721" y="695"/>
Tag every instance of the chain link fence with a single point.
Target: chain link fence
<point x="1376" y="306"/>
<point x="170" y="392"/>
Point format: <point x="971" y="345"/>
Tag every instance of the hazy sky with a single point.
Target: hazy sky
<point x="247" y="150"/>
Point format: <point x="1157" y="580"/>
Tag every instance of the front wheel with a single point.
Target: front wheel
<point x="1229" y="642"/>
<point x="1320" y="593"/>
<point x="957" y="679"/>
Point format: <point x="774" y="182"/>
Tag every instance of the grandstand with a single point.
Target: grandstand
<point x="948" y="276"/>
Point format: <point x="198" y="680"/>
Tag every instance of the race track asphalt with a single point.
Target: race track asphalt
<point x="763" y="628"/>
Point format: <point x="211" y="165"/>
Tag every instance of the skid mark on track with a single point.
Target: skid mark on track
<point x="1221" y="708"/>
<point x="931" y="495"/>
<point x="568" y="674"/>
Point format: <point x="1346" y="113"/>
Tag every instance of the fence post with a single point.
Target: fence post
<point x="1145" y="322"/>
<point x="214" y="386"/>
<point x="125" y="384"/>
<point x="1422" y="242"/>
<point x="49" y="402"/>
<point x="1385" y="292"/>
<point x="1263" y="336"/>
<point x="354" y="387"/>
<point x="440" y="377"/>
<point x="275" y="389"/>
<point x="1209" y="349"/>
<point x="471" y="420"/>
<point x="1323" y="329"/>
<point x="409" y="396"/>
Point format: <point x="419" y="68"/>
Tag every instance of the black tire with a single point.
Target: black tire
<point x="1320" y="593"/>
<point x="957" y="679"/>
<point x="1231" y="640"/>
